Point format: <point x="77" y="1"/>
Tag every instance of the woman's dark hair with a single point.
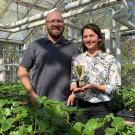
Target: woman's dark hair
<point x="97" y="30"/>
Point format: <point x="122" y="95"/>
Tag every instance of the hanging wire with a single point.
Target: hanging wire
<point x="17" y="6"/>
<point x="91" y="20"/>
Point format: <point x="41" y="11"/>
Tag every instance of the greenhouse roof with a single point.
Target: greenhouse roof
<point x="19" y="18"/>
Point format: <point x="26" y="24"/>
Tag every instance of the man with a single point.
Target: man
<point x="50" y="61"/>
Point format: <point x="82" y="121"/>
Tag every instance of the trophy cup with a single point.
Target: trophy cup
<point x="80" y="71"/>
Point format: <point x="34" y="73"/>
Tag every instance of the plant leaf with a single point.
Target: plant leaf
<point x="118" y="124"/>
<point x="110" y="131"/>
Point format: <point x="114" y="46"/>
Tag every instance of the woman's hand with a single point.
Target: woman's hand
<point x="88" y="86"/>
<point x="71" y="100"/>
<point x="74" y="88"/>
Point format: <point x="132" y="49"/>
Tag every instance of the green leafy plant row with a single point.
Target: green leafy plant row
<point x="48" y="116"/>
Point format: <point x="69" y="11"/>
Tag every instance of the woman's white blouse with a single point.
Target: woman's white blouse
<point x="100" y="69"/>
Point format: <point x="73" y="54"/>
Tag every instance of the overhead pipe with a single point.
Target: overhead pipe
<point x="41" y="16"/>
<point x="67" y="15"/>
<point x="27" y="20"/>
<point x="10" y="41"/>
<point x="25" y="27"/>
<point x="77" y="4"/>
<point x="122" y="16"/>
<point x="95" y="6"/>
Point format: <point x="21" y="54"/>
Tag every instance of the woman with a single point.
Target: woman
<point x="98" y="75"/>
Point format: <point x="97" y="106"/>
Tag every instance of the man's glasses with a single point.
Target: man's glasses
<point x="60" y="21"/>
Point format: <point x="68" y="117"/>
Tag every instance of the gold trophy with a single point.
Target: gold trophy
<point x="80" y="71"/>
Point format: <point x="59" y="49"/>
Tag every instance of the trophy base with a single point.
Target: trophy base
<point x="81" y="83"/>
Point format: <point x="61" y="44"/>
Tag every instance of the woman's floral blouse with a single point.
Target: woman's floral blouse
<point x="100" y="69"/>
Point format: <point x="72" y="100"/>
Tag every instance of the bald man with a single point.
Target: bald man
<point x="49" y="58"/>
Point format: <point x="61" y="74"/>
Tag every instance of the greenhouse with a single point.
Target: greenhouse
<point x="22" y="22"/>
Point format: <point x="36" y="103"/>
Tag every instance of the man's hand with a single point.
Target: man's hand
<point x="33" y="96"/>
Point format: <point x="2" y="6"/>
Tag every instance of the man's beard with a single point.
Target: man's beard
<point x="55" y="35"/>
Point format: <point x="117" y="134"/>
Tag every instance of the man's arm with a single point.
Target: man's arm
<point x="23" y="74"/>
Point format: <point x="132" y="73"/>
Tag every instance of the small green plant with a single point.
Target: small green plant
<point x="124" y="99"/>
<point x="128" y="97"/>
<point x="118" y="127"/>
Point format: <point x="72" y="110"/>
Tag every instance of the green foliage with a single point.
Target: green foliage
<point x="128" y="97"/>
<point x="117" y="102"/>
<point x="92" y="125"/>
<point x="128" y="74"/>
<point x="18" y="117"/>
<point x="118" y="127"/>
<point x="124" y="99"/>
<point x="12" y="90"/>
<point x="76" y="129"/>
<point x="118" y="124"/>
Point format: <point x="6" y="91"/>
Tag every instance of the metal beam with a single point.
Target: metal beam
<point x="122" y="16"/>
<point x="94" y="7"/>
<point x="67" y="7"/>
<point x="23" y="16"/>
<point x="10" y="41"/>
<point x="35" y="6"/>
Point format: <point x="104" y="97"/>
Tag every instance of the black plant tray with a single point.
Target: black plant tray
<point x="127" y="115"/>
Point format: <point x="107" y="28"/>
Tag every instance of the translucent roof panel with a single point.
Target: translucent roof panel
<point x="3" y="34"/>
<point x="131" y="10"/>
<point x="15" y="10"/>
<point x="12" y="12"/>
<point x="19" y="35"/>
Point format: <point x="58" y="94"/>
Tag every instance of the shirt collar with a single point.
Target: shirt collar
<point x="99" y="53"/>
<point x="63" y="41"/>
